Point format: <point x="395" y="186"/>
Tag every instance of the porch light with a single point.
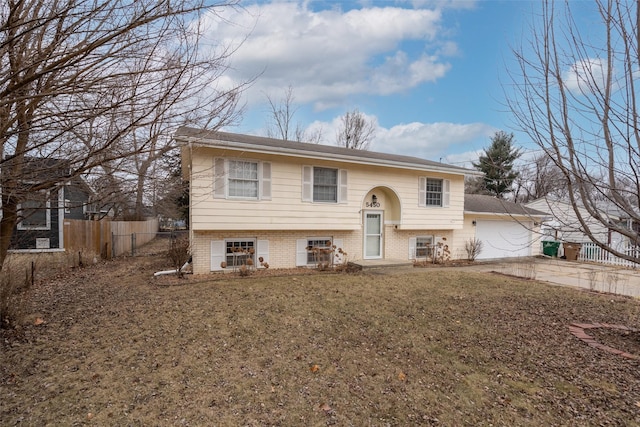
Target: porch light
<point x="374" y="199"/>
<point x="473" y="222"/>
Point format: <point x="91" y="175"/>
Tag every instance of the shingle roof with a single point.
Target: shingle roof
<point x="270" y="145"/>
<point x="488" y="204"/>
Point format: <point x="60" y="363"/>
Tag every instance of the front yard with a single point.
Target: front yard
<point x="417" y="347"/>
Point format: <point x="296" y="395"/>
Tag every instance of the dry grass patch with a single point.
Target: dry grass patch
<point x="424" y="347"/>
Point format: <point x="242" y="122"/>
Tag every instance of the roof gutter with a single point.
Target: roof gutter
<point x="525" y="214"/>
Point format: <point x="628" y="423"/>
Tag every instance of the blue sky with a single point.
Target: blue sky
<point x="429" y="73"/>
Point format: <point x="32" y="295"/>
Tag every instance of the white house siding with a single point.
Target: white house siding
<point x="564" y="225"/>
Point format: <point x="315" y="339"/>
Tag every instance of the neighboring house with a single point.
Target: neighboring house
<point x="506" y="229"/>
<point x="275" y="198"/>
<point x="41" y="215"/>
<point x="563" y="225"/>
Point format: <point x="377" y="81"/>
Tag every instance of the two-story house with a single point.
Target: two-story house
<point x="276" y="198"/>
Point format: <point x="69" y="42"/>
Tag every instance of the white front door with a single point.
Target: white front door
<point x="372" y="235"/>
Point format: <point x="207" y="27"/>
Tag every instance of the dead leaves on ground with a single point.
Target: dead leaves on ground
<point x="326" y="408"/>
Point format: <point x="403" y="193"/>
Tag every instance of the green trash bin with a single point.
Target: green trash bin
<point x="550" y="248"/>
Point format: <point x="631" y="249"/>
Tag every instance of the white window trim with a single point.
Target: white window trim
<point x="221" y="178"/>
<point x="219" y="252"/>
<point x="307" y="185"/>
<point x="413" y="244"/>
<point x="325" y="239"/>
<point x="422" y="192"/>
<point x="302" y="253"/>
<point x="21" y="226"/>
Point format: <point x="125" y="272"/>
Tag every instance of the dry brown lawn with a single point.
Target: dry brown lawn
<point x="402" y="347"/>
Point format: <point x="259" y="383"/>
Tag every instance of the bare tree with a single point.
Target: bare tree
<point x="79" y="78"/>
<point x="539" y="178"/>
<point x="191" y="101"/>
<point x="356" y="131"/>
<point x="575" y="96"/>
<point x="281" y="126"/>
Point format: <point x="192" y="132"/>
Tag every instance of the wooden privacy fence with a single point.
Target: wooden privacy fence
<point x="108" y="238"/>
<point x="126" y="236"/>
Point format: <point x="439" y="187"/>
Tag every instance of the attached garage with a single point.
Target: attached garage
<point x="504" y="239"/>
<point x="506" y="229"/>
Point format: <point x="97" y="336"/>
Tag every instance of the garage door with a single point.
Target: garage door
<point x="504" y="239"/>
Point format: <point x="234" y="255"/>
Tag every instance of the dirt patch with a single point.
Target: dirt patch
<point x="420" y="347"/>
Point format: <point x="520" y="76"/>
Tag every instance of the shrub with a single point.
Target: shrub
<point x="473" y="247"/>
<point x="179" y="254"/>
<point x="328" y="257"/>
<point x="14" y="293"/>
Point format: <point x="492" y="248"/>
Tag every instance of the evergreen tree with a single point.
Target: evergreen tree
<point x="497" y="165"/>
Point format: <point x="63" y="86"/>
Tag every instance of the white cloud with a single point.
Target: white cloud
<point x="586" y="76"/>
<point x="425" y="140"/>
<point x="328" y="55"/>
<point x="429" y="140"/>
<point x="464" y="159"/>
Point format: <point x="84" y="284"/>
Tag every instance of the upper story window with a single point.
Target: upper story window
<point x="241" y="179"/>
<point x="434" y="192"/>
<point x="35" y="212"/>
<point x="324" y="185"/>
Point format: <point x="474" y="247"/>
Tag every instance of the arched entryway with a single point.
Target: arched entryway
<point x="380" y="207"/>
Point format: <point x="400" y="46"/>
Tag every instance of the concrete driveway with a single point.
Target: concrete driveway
<point x="596" y="277"/>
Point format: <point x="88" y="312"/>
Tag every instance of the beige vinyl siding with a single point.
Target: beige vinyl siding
<point x="563" y="219"/>
<point x="460" y="237"/>
<point x="286" y="210"/>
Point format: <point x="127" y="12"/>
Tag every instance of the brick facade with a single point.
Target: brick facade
<point x="282" y="244"/>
